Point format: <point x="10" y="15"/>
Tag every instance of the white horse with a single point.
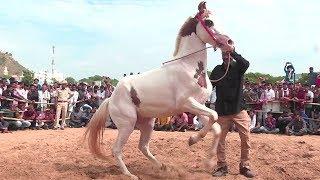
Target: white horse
<point x="179" y="86"/>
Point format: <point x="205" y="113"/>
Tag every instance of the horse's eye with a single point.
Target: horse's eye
<point x="208" y="23"/>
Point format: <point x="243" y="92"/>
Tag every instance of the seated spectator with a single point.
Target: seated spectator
<point x="191" y="123"/>
<point x="75" y="118"/>
<point x="45" y="119"/>
<point x="297" y="126"/>
<point x="3" y="124"/>
<point x="253" y="118"/>
<point x="197" y="123"/>
<point x="284" y="119"/>
<point x="30" y="115"/>
<point x="269" y="127"/>
<point x="15" y="114"/>
<point x="180" y="122"/>
<point x="81" y="116"/>
<point x="163" y="124"/>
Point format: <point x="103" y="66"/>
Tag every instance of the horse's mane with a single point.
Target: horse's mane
<point x="186" y="30"/>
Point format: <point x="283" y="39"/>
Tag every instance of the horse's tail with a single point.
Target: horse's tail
<point x="95" y="129"/>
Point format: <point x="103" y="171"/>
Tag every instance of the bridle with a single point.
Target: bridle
<point x="200" y="18"/>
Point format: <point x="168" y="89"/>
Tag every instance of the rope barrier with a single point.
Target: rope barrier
<point x="18" y="119"/>
<point x="33" y="102"/>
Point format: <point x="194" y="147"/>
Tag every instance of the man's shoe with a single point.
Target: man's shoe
<point x="220" y="171"/>
<point x="246" y="172"/>
<point x="62" y="127"/>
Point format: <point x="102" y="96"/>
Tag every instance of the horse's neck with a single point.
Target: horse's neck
<point x="189" y="45"/>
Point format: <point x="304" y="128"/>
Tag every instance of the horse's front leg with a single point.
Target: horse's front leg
<point x="206" y="114"/>
<point x="209" y="117"/>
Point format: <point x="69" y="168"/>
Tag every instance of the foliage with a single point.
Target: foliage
<point x="114" y="82"/>
<point x="71" y="80"/>
<point x="92" y="79"/>
<point x="6" y="76"/>
<point x="54" y="80"/>
<point x="303" y="78"/>
<point x="28" y="77"/>
<point x="256" y="77"/>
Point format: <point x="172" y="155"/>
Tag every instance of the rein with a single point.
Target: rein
<point x="187" y="55"/>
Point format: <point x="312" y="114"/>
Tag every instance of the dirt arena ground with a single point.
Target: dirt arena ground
<point x="48" y="154"/>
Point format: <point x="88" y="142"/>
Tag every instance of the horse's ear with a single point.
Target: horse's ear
<point x="202" y="6"/>
<point x="208" y="23"/>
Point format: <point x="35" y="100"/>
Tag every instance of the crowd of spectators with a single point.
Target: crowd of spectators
<point x="283" y="107"/>
<point x="34" y="106"/>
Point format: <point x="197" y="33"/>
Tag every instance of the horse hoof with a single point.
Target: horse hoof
<point x="192" y="141"/>
<point x="133" y="177"/>
<point x="208" y="164"/>
<point x="164" y="167"/>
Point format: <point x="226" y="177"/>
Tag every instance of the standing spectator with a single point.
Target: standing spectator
<point x="33" y="94"/>
<point x="267" y="96"/>
<point x="212" y="99"/>
<point x="36" y="83"/>
<point x="318" y="81"/>
<point x="299" y="97"/>
<point x="312" y="77"/>
<point x="44" y="97"/>
<point x="101" y="94"/>
<point x="22" y="91"/>
<point x="54" y="92"/>
<point x="63" y="95"/>
<point x="108" y="89"/>
<point x="73" y="99"/>
<point x="7" y="93"/>
<point x="82" y="94"/>
<point x="308" y="99"/>
<point x="290" y="74"/>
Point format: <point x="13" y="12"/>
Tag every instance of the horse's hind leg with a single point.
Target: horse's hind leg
<point x="125" y="125"/>
<point x="146" y="129"/>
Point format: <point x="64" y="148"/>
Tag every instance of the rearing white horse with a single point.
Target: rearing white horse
<point x="179" y="86"/>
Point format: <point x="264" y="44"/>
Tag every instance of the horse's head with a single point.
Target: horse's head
<point x="207" y="33"/>
<point x="203" y="27"/>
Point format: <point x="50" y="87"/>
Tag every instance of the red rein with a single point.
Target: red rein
<point x="199" y="18"/>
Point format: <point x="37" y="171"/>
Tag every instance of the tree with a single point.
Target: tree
<point x="28" y="77"/>
<point x="114" y="82"/>
<point x="54" y="80"/>
<point x="256" y="77"/>
<point x="303" y="78"/>
<point x="71" y="80"/>
<point x="91" y="79"/>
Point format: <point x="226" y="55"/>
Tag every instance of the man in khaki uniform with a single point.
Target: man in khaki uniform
<point x="62" y="98"/>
